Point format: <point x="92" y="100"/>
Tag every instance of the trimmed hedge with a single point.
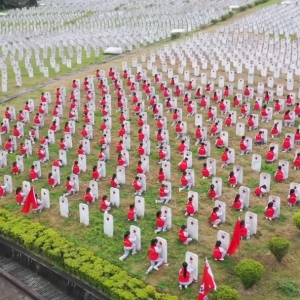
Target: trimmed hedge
<point x="77" y="261"/>
<point x="297" y="219"/>
<point x="224" y="292"/>
<point x="279" y="247"/>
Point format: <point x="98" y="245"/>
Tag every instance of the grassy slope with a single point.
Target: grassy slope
<point x="93" y="238"/>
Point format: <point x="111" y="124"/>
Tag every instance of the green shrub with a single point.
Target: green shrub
<point x="224" y="292"/>
<point x="230" y="14"/>
<point x="249" y="5"/>
<point x="175" y="36"/>
<point x="224" y="17"/>
<point x="289" y="288"/>
<point x="78" y="261"/>
<point x="279" y="247"/>
<point x="249" y="271"/>
<point x="297" y="219"/>
<point x="214" y="21"/>
<point x="242" y="8"/>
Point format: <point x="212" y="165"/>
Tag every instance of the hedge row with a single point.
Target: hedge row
<point x="77" y="261"/>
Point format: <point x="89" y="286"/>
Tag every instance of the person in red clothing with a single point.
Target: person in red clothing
<point x="138" y="109"/>
<point x="129" y="242"/>
<point x="161" y="176"/>
<point x="270" y="212"/>
<point x="160" y="138"/>
<point x="2" y="190"/>
<point x="27" y="107"/>
<point x="53" y="126"/>
<point x="141" y="121"/>
<point x="211" y="115"/>
<point x="122" y="131"/>
<point x="244" y="146"/>
<point x="89" y="197"/>
<point x="105" y="205"/>
<point x="202" y="151"/>
<point x="247" y="93"/>
<point x="120" y="146"/>
<point x="17" y="132"/>
<point x="96" y="175"/>
<point x="274" y="131"/>
<point x="186" y="182"/>
<point x="121" y="161"/>
<point x="236" y="101"/>
<point x="297" y="136"/>
<point x="228" y="121"/>
<point x="33" y="174"/>
<point x="175" y="117"/>
<point x="184" y="235"/>
<point x="261" y="191"/>
<point x="297" y="110"/>
<point x="139" y="168"/>
<point x="219" y="143"/>
<point x="190" y="208"/>
<point x="137" y="186"/>
<point x="80" y="150"/>
<point x="155" y="112"/>
<point x="266" y="97"/>
<point x="154" y="254"/>
<point x="70" y="187"/>
<point x="223" y="107"/>
<point x="292" y="198"/>
<point x="296" y="162"/>
<point x="190" y="109"/>
<point x="4" y="129"/>
<point x="208" y="88"/>
<point x="226" y="92"/>
<point x="182" y="147"/>
<point x="141" y="135"/>
<point x="198" y="93"/>
<point x="104" y="142"/>
<point x="162" y="87"/>
<point x="256" y="106"/>
<point x="216" y="97"/>
<point x="161" y="223"/>
<point x="122" y="118"/>
<point x="164" y="195"/>
<point x="21" y="117"/>
<point x="125" y="74"/>
<point x="114" y="182"/>
<point x="232" y="179"/>
<point x="76" y="168"/>
<point x="238" y="203"/>
<point x="198" y="135"/>
<point x="277" y="107"/>
<point x="162" y="154"/>
<point x="203" y="102"/>
<point x="42" y="154"/>
<point x="265" y="114"/>
<point x="214" y="129"/>
<point x="186" y="275"/>
<point x="259" y="138"/>
<point x="138" y="77"/>
<point x="287" y="119"/>
<point x="206" y="172"/>
<point x="177" y="91"/>
<point x="51" y="180"/>
<point x="23" y="150"/>
<point x="215" y="219"/>
<point x="270" y="157"/>
<point x="43" y="98"/>
<point x="56" y="112"/>
<point x="101" y="155"/>
<point x="62" y="145"/>
<point x="212" y="194"/>
<point x="186" y="99"/>
<point x="15" y="168"/>
<point x="225" y="158"/>
<point x="279" y="175"/>
<point x="131" y="214"/>
<point x="244" y="231"/>
<point x="7" y="114"/>
<point x="141" y="150"/>
<point x="169" y="106"/>
<point x="8" y="147"/>
<point x="289" y="100"/>
<point x="20" y="196"/>
<point x="57" y="163"/>
<point x="244" y="111"/>
<point x="183" y="165"/>
<point x="287" y="144"/>
<point x="219" y="253"/>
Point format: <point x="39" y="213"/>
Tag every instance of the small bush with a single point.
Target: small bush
<point x="242" y="8"/>
<point x="224" y="292"/>
<point x="175" y="36"/>
<point x="249" y="5"/>
<point x="297" y="219"/>
<point x="288" y="288"/>
<point x="249" y="271"/>
<point x="230" y="14"/>
<point x="214" y="21"/>
<point x="224" y="17"/>
<point x="279" y="247"/>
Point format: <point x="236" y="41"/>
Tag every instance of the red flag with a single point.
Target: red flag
<point x="208" y="283"/>
<point x="236" y="237"/>
<point x="30" y="202"/>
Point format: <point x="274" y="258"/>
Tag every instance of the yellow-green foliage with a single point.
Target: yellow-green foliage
<point x="80" y="262"/>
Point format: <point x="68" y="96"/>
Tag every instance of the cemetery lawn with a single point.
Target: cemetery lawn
<point x="111" y="249"/>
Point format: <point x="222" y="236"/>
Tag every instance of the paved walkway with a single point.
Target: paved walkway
<point x="10" y="292"/>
